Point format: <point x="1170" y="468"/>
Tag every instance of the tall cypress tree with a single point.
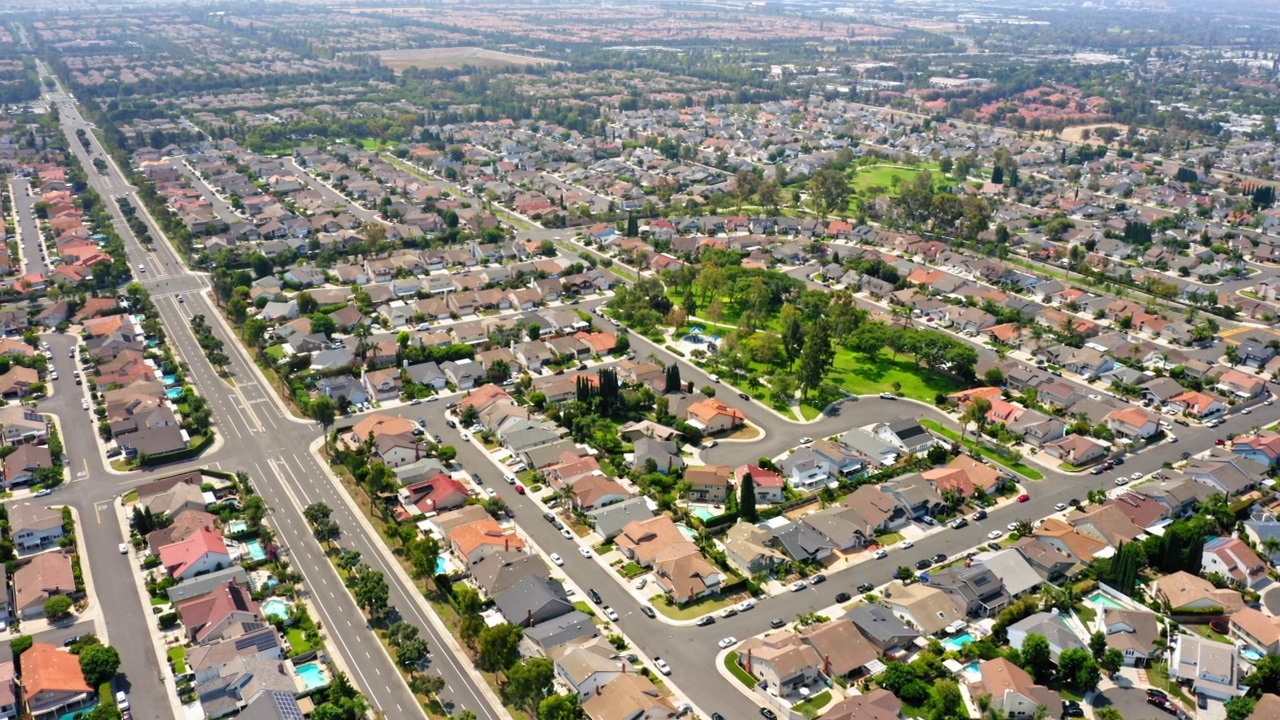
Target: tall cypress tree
<point x="747" y="500"/>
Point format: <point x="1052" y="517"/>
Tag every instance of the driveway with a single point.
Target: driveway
<point x="1132" y="704"/>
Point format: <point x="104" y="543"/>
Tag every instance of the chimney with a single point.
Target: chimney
<point x="826" y="665"/>
<point x="506" y="542"/>
<point x="529" y="618"/>
<point x="749" y="661"/>
<point x="597" y="690"/>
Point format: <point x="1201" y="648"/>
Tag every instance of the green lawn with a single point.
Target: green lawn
<point x="584" y="608"/>
<point x="275" y="352"/>
<point x="1020" y="468"/>
<point x="130" y="497"/>
<point x="1086" y="613"/>
<point x="862" y="376"/>
<point x="883" y="175"/>
<point x="631" y="570"/>
<point x="1158" y="676"/>
<point x="297" y="641"/>
<point x="694" y="609"/>
<point x="1208" y="632"/>
<point x="889" y="538"/>
<point x="744" y="677"/>
<point x="815" y="703"/>
<point x="178" y="656"/>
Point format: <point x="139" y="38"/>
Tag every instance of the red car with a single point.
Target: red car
<point x="1024" y="497"/>
<point x="520" y="489"/>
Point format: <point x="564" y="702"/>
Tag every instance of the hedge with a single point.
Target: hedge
<point x="177" y="455"/>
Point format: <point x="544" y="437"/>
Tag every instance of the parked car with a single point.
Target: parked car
<point x="705" y="620"/>
<point x="777" y="623"/>
<point x="924" y="564"/>
<point x="843" y="597"/>
<point x="817" y="579"/>
<point x="866" y="587"/>
<point x="595" y="596"/>
<point x="959" y="523"/>
<point x="555" y="558"/>
<point x="726" y="642"/>
<point x="648" y="611"/>
<point x="662" y="666"/>
<point x="880" y="554"/>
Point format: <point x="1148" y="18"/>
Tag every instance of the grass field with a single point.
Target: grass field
<point x="883" y="175"/>
<point x="855" y="373"/>
<point x="452" y="58"/>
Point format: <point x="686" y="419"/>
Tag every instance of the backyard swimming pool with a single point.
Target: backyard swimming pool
<point x="275" y="608"/>
<point x="441" y="565"/>
<point x="313" y="675"/>
<point x="173" y="393"/>
<point x="703" y="513"/>
<point x="971" y="672"/>
<point x="254" y="548"/>
<point x="237" y="526"/>
<point x="1103" y="600"/>
<point x="688" y="532"/>
<point x="957" y="642"/>
<point x="170" y="379"/>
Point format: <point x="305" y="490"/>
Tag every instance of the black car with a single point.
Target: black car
<point x="1073" y="502"/>
<point x="817" y="579"/>
<point x="71" y="641"/>
<point x="595" y="596"/>
<point x="452" y="425"/>
<point x="844" y="597"/>
<point x="980" y="515"/>
<point x="1071" y="709"/>
<point x="549" y="517"/>
<point x="866" y="587"/>
<point x="769" y="713"/>
<point x="777" y="623"/>
<point x="939" y="558"/>
<point x="1117" y="461"/>
<point x="510" y="513"/>
<point x="717" y="716"/>
<point x="924" y="564"/>
<point x="648" y="611"/>
<point x="744" y="396"/>
<point x="705" y="620"/>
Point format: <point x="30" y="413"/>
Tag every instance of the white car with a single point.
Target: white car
<point x="641" y="583"/>
<point x="584" y="552"/>
<point x="491" y="492"/>
<point x="54" y="375"/>
<point x="995" y="534"/>
<point x="122" y="700"/>
<point x="798" y="585"/>
<point x="1136" y="476"/>
<point x="806" y="440"/>
<point x="746" y="605"/>
<point x="662" y="666"/>
<point x="465" y="437"/>
<point x="511" y="479"/>
<point x="124" y="548"/>
<point x="906" y="544"/>
<point x="880" y="554"/>
<point x="1060" y="507"/>
<point x="713" y="378"/>
<point x="555" y="558"/>
<point x="566" y="533"/>
<point x="726" y="642"/>
<point x="1011" y="526"/>
<point x="1246" y="411"/>
<point x="609" y="612"/>
<point x="84" y="404"/>
<point x="1122" y="480"/>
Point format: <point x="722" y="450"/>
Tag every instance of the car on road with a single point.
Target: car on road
<point x="44" y="491"/>
<point x="491" y="492"/>
<point x="509" y="512"/>
<point x="84" y="404"/>
<point x="980" y="515"/>
<point x="798" y="586"/>
<point x="585" y="552"/>
<point x="54" y="375"/>
<point x="1011" y="526"/>
<point x="844" y="596"/>
<point x="1097" y="470"/>
<point x="726" y="642"/>
<point x="1172" y="438"/>
<point x="465" y="437"/>
<point x="641" y="582"/>
<point x="880" y="554"/>
<point x="662" y="666"/>
<point x="866" y="587"/>
<point x="939" y="558"/>
<point x="777" y="623"/>
<point x="1246" y="411"/>
<point x="595" y="596"/>
<point x="648" y="611"/>
<point x="416" y="401"/>
<point x="124" y="548"/>
<point x="888" y="396"/>
<point x="1060" y="507"/>
<point x="744" y="396"/>
<point x="555" y="558"/>
<point x="1024" y="497"/>
<point x="768" y="714"/>
<point x="520" y="489"/>
<point x="1117" y="461"/>
<point x="924" y="564"/>
<point x="716" y="716"/>
<point x="566" y="533"/>
<point x="746" y="605"/>
<point x="1073" y="502"/>
<point x="705" y="620"/>
<point x="906" y="544"/>
<point x="511" y="479"/>
<point x="995" y="534"/>
<point x="1072" y="709"/>
<point x="817" y="579"/>
<point x="959" y="523"/>
<point x="122" y="700"/>
<point x="609" y="612"/>
<point x="806" y="440"/>
<point x="549" y="517"/>
<point x="1122" y="480"/>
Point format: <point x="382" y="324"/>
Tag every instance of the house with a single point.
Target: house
<point x="643" y="540"/>
<point x="684" y="573"/>
<point x="1050" y="626"/>
<point x="1209" y="667"/>
<point x="1226" y="477"/>
<point x="475" y="541"/>
<point x="8" y="691"/>
<point x="1105" y="523"/>
<point x="1183" y="591"/>
<point x="1076" y="450"/>
<point x="382" y="385"/>
<point x="1254" y="354"/>
<point x="21" y="465"/>
<point x="20" y="425"/>
<point x="547" y="635"/>
<point x="1132" y="423"/>
<point x="1256" y="629"/>
<point x="204" y="551"/>
<point x="207" y="660"/>
<point x="45" y="576"/>
<point x="805" y="470"/>
<point x="978" y="590"/>
<point x="53" y="684"/>
<point x="218" y="613"/>
<point x="240" y="681"/>
<point x="879" y="704"/>
<point x="769" y="484"/>
<point x="928" y="609"/>
<point x="596" y="491"/>
<point x="712" y="417"/>
<point x="881" y="627"/>
<point x="17" y="382"/>
<point x="1262" y="448"/>
<point x="781" y="661"/>
<point x="708" y="483"/>
<point x="799" y="541"/>
<point x="665" y="455"/>
<point x="33" y="526"/>
<point x="629" y="696"/>
<point x="1133" y="632"/>
<point x="609" y="520"/>
<point x="532" y="600"/>
<point x="1068" y="540"/>
<point x="1234" y="561"/>
<point x="840" y="458"/>
<point x="878" y="511"/>
<point x="1012" y="692"/>
<point x="587" y="666"/>
<point x="1012" y="568"/>
<point x="1244" y="386"/>
<point x="845" y="652"/>
<point x="498" y="571"/>
<point x="1195" y="404"/>
<point x="1047" y="561"/>
<point x="906" y="434"/>
<point x="842" y="526"/>
<point x="747" y="548"/>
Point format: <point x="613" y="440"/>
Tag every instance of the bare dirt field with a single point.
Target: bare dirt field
<point x="452" y="58"/>
<point x="1075" y="132"/>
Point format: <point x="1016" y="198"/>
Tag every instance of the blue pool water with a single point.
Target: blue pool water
<point x="440" y="565"/>
<point x="971" y="672"/>
<point x="275" y="608"/>
<point x="170" y="379"/>
<point x="688" y="532"/>
<point x="255" y="550"/>
<point x="237" y="526"/>
<point x="957" y="642"/>
<point x="174" y="393"/>
<point x="313" y="676"/>
<point x="1103" y="600"/>
<point x="152" y="343"/>
<point x="702" y="513"/>
<point x="1251" y="655"/>
<point x="697" y="329"/>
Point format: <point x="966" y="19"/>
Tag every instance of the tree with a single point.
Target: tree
<point x="1240" y="708"/>
<point x="816" y="357"/>
<point x="323" y="410"/>
<point x="1111" y="661"/>
<point x="559" y="707"/>
<point x="1107" y="712"/>
<point x="371" y="591"/>
<point x="1078" y="669"/>
<point x="498" y="647"/>
<point x="947" y="702"/>
<point x="99" y="664"/>
<point x="316" y="512"/>
<point x="423" y="554"/>
<point x="829" y="188"/>
<point x="993" y="377"/>
<point x="530" y="682"/>
<point x="792" y="333"/>
<point x="1265" y="678"/>
<point x="747" y="499"/>
<point x="20" y="644"/>
<point x="1098" y="644"/>
<point x="1036" y="659"/>
<point x="326" y="530"/>
<point x="411" y="653"/>
<point x="57" y="608"/>
<point x="426" y="685"/>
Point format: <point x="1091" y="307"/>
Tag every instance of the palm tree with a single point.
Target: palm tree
<point x="1271" y="545"/>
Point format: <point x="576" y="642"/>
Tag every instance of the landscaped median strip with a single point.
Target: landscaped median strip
<point x="1017" y="467"/>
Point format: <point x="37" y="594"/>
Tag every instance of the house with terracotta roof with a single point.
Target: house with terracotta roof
<point x="593" y="492"/>
<point x="1232" y="559"/>
<point x="45" y="576"/>
<point x="217" y="614"/>
<point x="433" y="495"/>
<point x="1256" y="629"/>
<point x="1132" y="423"/>
<point x="8" y="691"/>
<point x="769" y="484"/>
<point x="1263" y="448"/>
<point x="377" y="425"/>
<point x="712" y="416"/>
<point x="1067" y="540"/>
<point x="53" y="684"/>
<point x="879" y="704"/>
<point x="642" y="540"/>
<point x="845" y="652"/>
<point x="1242" y="385"/>
<point x="1184" y="591"/>
<point x="629" y="696"/>
<point x="1076" y="450"/>
<point x="1195" y="404"/>
<point x="204" y="551"/>
<point x="476" y="541"/>
<point x="1106" y="523"/>
<point x="17" y="382"/>
<point x="1012" y="692"/>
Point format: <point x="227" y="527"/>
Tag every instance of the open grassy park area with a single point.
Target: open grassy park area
<point x="883" y="176"/>
<point x="862" y="376"/>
